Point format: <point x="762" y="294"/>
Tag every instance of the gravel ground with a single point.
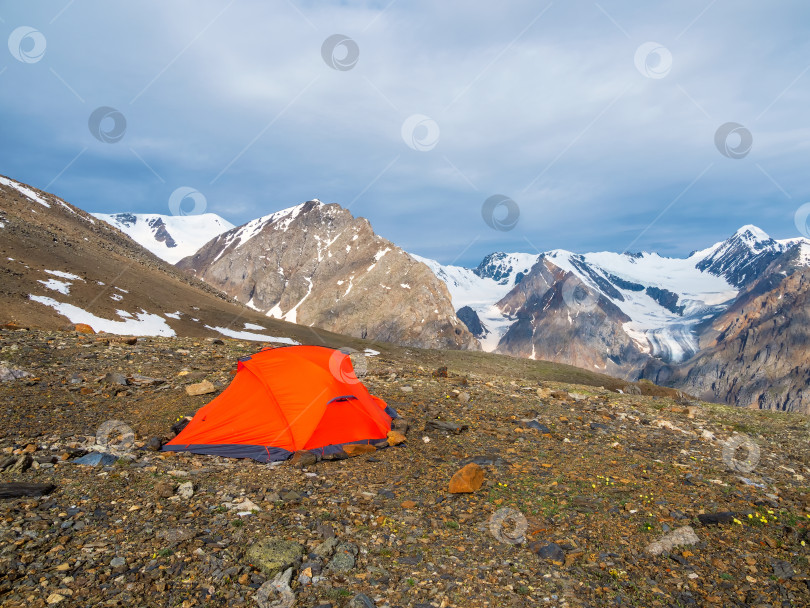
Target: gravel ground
<point x="590" y="497"/>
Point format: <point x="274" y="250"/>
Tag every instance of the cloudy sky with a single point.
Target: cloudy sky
<point x="599" y="126"/>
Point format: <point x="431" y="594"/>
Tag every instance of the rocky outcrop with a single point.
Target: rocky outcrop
<point x="559" y="318"/>
<point x="315" y="264"/>
<point x="471" y="319"/>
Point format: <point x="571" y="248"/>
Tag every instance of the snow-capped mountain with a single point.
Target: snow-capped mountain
<point x="664" y="299"/>
<point x="316" y="265"/>
<point x="742" y="257"/>
<point x="480" y="288"/>
<point x="757" y="352"/>
<point x="62" y="266"/>
<point x="170" y="237"/>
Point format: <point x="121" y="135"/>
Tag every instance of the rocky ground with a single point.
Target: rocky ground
<point x="590" y="497"/>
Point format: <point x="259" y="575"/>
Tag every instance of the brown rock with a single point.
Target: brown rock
<point x="201" y="388"/>
<point x="83" y="328"/>
<point x="395" y="438"/>
<point x="303" y="458"/>
<point x="164" y="489"/>
<point x="400" y="425"/>
<point x="356" y="449"/>
<point x="467" y="479"/>
<point x="408" y="504"/>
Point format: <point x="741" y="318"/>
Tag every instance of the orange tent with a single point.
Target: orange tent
<point x="287" y="399"/>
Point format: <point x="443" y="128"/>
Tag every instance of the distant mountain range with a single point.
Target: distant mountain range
<point x="705" y="323"/>
<point x="170" y="237"/>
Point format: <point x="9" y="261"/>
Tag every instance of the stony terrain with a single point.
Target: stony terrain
<point x="582" y="489"/>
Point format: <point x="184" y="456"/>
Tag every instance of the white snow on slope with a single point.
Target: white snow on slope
<point x="189" y="232"/>
<point x="60" y="286"/>
<point x="280" y="219"/>
<point x="143" y="324"/>
<point x="24" y="191"/>
<point x="468" y="289"/>
<point x="65" y="275"/>
<point x="248" y="335"/>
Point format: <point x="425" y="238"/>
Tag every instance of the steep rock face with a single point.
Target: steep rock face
<point x="505" y="267"/>
<point x="757" y="353"/>
<point x="317" y="265"/>
<point x="558" y="317"/>
<point x="471" y="319"/>
<point x="742" y="257"/>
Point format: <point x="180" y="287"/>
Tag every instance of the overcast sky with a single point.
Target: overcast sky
<point x="602" y="122"/>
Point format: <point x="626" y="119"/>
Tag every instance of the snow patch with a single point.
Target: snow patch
<point x="255" y="326"/>
<point x="173" y="315"/>
<point x="247" y="335"/>
<point x="143" y="324"/>
<point x="64" y="275"/>
<point x="25" y="191"/>
<point x="60" y="286"/>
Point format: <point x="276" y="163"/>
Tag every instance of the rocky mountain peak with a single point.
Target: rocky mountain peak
<point x="316" y="264"/>
<point x="742" y="257"/>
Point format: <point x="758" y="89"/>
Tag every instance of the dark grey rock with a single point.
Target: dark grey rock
<point x="95" y="459"/>
<point x="443" y="426"/>
<point x="361" y="600"/>
<point x="344" y="558"/>
<point x="546" y="550"/>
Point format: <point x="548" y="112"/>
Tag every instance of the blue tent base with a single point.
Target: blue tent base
<point x="263" y="453"/>
<point x="267" y="453"/>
